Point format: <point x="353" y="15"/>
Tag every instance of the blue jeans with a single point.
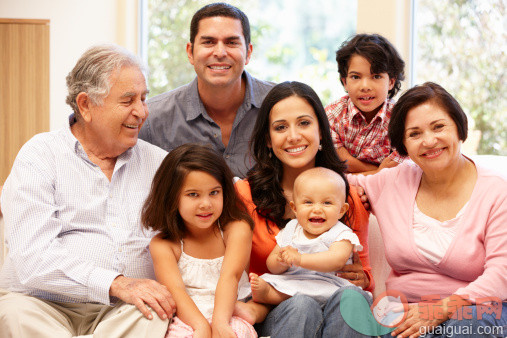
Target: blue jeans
<point x="302" y="316"/>
<point x="488" y="326"/>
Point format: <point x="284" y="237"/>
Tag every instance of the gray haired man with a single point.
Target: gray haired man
<point x="78" y="261"/>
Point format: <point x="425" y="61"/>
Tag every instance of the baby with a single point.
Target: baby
<point x="311" y="248"/>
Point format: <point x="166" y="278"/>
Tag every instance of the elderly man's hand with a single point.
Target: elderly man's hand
<point x="142" y="292"/>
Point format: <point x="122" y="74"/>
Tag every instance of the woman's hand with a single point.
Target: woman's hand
<point x="414" y="323"/>
<point x="363" y="197"/>
<point x="354" y="273"/>
<point x="421" y="318"/>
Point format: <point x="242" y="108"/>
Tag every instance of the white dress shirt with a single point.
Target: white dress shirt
<point x="69" y="230"/>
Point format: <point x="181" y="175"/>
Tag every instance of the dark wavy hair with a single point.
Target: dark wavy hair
<point x="160" y="211"/>
<point x="416" y="96"/>
<point x="379" y="52"/>
<point x="266" y="175"/>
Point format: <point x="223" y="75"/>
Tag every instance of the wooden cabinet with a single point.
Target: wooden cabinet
<point x="24" y="85"/>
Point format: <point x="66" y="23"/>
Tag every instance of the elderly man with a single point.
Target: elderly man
<point x="221" y="105"/>
<point x="78" y="259"/>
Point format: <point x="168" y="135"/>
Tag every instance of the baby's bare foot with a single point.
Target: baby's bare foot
<point x="260" y="288"/>
<point x="245" y="311"/>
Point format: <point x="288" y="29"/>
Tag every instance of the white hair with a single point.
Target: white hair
<point x="93" y="70"/>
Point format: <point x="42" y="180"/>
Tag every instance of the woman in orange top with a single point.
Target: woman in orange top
<point x="291" y="135"/>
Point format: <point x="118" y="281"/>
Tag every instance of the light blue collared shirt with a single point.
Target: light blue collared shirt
<point x="69" y="230"/>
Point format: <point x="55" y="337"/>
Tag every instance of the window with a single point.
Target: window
<point x="461" y="45"/>
<point x="292" y="40"/>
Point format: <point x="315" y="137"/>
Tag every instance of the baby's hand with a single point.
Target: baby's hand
<point x="290" y="256"/>
<point x="280" y="259"/>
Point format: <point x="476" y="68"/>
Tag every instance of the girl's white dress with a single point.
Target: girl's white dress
<point x="200" y="277"/>
<point x="296" y="280"/>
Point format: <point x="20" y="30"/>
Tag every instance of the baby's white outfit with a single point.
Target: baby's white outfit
<point x="200" y="277"/>
<point x="296" y="280"/>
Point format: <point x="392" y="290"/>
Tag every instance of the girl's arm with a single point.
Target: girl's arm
<point x="327" y="261"/>
<point x="274" y="264"/>
<point x="167" y="273"/>
<point x="238" y="244"/>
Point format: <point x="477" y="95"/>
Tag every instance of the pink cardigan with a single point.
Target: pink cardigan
<point x="475" y="265"/>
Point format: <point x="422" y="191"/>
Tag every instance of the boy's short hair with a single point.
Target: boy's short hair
<point x="379" y="52"/>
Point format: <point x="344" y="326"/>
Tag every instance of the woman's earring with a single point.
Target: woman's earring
<point x="320" y="146"/>
<point x="269" y="153"/>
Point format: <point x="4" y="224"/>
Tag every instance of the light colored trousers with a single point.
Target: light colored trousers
<point x="25" y="316"/>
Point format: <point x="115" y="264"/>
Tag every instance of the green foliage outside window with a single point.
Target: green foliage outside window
<point x="462" y="45"/>
<point x="292" y="40"/>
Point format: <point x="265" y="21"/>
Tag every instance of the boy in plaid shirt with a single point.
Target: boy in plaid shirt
<point x="371" y="72"/>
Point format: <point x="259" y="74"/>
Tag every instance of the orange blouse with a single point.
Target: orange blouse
<point x="264" y="241"/>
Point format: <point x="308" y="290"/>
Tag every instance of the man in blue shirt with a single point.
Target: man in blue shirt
<point x="221" y="105"/>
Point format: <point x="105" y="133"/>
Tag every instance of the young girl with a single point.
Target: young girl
<point x="204" y="243"/>
<point x="311" y="248"/>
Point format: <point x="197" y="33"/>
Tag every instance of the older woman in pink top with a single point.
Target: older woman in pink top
<point x="443" y="220"/>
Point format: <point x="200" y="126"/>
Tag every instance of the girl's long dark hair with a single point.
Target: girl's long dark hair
<point x="266" y="176"/>
<point x="160" y="211"/>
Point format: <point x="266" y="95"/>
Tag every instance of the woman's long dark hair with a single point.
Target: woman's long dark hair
<point x="266" y="176"/>
<point x="160" y="211"/>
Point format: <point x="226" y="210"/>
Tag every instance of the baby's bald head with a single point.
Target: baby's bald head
<point x="318" y="177"/>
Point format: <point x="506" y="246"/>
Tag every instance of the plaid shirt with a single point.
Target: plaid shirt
<point x="366" y="142"/>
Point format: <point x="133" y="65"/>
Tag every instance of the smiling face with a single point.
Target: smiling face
<point x="219" y="53"/>
<point x="319" y="201"/>
<point x="116" y="123"/>
<point x="201" y="201"/>
<point x="294" y="133"/>
<point x="431" y="137"/>
<point x="367" y="91"/>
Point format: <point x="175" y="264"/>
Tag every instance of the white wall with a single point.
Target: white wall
<point x="75" y="25"/>
<point x="391" y="19"/>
